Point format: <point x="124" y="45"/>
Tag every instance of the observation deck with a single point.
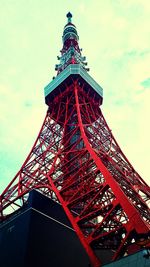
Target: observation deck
<point x="71" y="73"/>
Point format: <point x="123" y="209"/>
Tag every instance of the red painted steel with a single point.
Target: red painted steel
<point x="77" y="161"/>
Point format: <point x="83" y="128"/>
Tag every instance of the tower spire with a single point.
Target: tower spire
<point x="70" y="53"/>
<point x="69" y="16"/>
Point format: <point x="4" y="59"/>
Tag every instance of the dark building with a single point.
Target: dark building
<point x="40" y="235"/>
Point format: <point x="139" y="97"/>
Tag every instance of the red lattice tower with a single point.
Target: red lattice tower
<point x="77" y="161"/>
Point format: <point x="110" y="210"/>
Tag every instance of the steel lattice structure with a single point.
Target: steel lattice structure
<point x="77" y="161"/>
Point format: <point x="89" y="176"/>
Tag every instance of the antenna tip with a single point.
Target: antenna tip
<point x="69" y="16"/>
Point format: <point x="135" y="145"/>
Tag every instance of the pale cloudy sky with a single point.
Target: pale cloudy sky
<point x="115" y="37"/>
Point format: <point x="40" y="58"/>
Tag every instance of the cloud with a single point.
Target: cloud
<point x="146" y="83"/>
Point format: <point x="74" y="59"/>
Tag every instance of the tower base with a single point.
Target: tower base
<point x="39" y="234"/>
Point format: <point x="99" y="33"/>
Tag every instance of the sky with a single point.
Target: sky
<point x="115" y="37"/>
